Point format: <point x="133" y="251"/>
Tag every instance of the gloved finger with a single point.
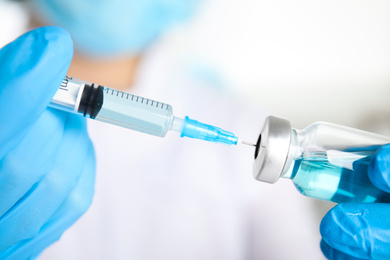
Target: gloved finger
<point x="379" y="169"/>
<point x="71" y="209"/>
<point x="31" y="69"/>
<point x="358" y="229"/>
<point x="31" y="159"/>
<point x="33" y="210"/>
<point x="333" y="254"/>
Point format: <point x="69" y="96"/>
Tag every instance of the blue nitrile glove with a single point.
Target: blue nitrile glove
<point x="361" y="230"/>
<point x="47" y="161"/>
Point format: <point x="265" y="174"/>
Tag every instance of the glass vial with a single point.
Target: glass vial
<point x="325" y="161"/>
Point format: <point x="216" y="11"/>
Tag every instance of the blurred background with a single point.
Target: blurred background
<point x="305" y="60"/>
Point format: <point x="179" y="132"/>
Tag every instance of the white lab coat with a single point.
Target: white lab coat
<point x="177" y="198"/>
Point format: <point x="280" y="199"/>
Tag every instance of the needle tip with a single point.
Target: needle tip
<point x="248" y="143"/>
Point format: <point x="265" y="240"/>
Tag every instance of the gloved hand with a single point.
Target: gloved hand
<point x="361" y="230"/>
<point x="47" y="162"/>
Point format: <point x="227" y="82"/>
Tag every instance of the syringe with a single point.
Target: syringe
<point x="133" y="112"/>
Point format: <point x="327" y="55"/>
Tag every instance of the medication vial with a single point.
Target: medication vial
<point x="325" y="161"/>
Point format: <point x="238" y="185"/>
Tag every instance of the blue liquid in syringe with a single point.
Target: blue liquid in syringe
<point x="315" y="176"/>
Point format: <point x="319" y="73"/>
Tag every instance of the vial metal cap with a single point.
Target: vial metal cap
<point x="272" y="149"/>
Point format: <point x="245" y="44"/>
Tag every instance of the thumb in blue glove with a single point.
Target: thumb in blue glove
<point x="47" y="161"/>
<point x="361" y="230"/>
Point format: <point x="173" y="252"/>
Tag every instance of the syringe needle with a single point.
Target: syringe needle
<point x="248" y="143"/>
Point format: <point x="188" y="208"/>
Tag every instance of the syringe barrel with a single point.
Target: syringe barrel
<point x="134" y="112"/>
<point x="68" y="96"/>
<point x="130" y="111"/>
<point x="113" y="106"/>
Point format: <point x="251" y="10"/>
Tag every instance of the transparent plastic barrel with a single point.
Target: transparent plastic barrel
<point x="137" y="113"/>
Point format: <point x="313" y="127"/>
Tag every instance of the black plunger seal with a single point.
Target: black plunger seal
<point x="91" y="100"/>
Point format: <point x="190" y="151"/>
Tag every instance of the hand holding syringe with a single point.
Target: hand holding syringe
<point x="133" y="112"/>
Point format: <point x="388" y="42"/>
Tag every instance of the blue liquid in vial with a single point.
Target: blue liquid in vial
<point x="318" y="176"/>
